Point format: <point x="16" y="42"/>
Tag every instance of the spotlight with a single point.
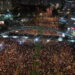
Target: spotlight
<point x="36" y="39"/>
<point x="48" y="40"/>
<point x="2" y="22"/>
<point x="60" y="39"/>
<point x="63" y="35"/>
<point x="5" y="36"/>
<point x="25" y="37"/>
<point x="72" y="40"/>
<point x="16" y="31"/>
<point x="14" y="37"/>
<point x="73" y="19"/>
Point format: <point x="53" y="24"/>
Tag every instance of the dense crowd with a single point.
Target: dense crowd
<point x="56" y="58"/>
<point x="44" y="20"/>
<point x="37" y="31"/>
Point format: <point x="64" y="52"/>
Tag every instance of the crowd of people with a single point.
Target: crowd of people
<point x="56" y="58"/>
<point x="44" y="20"/>
<point x="44" y="58"/>
<point x="36" y="31"/>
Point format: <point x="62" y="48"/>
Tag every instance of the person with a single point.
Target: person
<point x="38" y="10"/>
<point x="56" y="9"/>
<point x="49" y="11"/>
<point x="54" y="12"/>
<point x="67" y="14"/>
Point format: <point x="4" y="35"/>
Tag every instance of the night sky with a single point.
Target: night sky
<point x="37" y="2"/>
